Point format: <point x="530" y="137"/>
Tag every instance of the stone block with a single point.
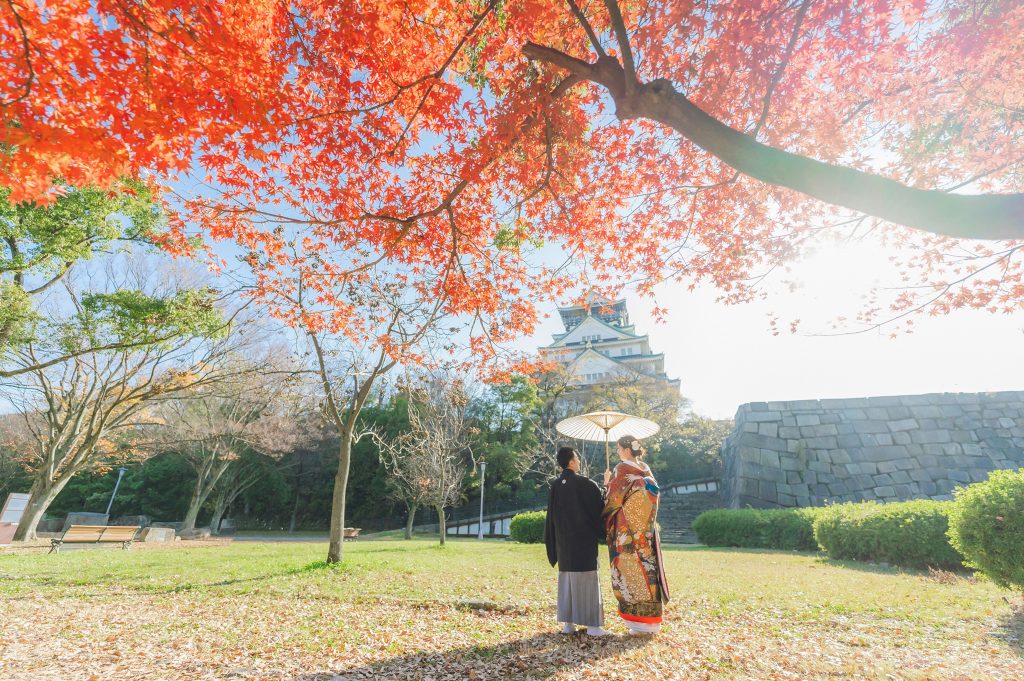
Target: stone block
<point x="770" y="429"/>
<point x="906" y="464"/>
<point x="958" y="476"/>
<point x="903" y="492"/>
<point x="838" y="489"/>
<point x="810" y="477"/>
<point x="772" y="474"/>
<point x="903" y="424"/>
<point x="902" y="438"/>
<point x="885" y="492"/>
<point x="926" y="412"/>
<point x="819" y="431"/>
<point x="84" y="518"/>
<point x="879" y="454"/>
<point x="769" y="459"/>
<point x="929" y="488"/>
<point x="897" y="413"/>
<point x="901" y="477"/>
<point x="789" y="421"/>
<point x="846" y="429"/>
<point x="864" y="481"/>
<point x="854" y="414"/>
<point x="952" y="449"/>
<point x="839" y="456"/>
<point x="871" y="427"/>
<point x="883" y="479"/>
<point x="821" y="442"/>
<point x="869" y="440"/>
<point x="887" y="467"/>
<point x="846" y="441"/>
<point x="750" y="427"/>
<point x="767" y="491"/>
<point x="761" y="416"/>
<point x="794" y="477"/>
<point x="925" y="437"/>
<point x="920" y="475"/>
<point x="156" y="534"/>
<point x="819" y="466"/>
<point x="786" y="500"/>
<point x="807" y="420"/>
<point x="764" y="442"/>
<point x="789" y="432"/>
<point x="884" y="439"/>
<point x="789" y="463"/>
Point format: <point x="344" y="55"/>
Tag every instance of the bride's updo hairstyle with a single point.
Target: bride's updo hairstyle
<point x="633" y="445"/>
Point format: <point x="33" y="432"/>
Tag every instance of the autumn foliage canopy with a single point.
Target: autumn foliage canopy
<point x="488" y="154"/>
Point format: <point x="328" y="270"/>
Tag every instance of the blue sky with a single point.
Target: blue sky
<point x="727" y="355"/>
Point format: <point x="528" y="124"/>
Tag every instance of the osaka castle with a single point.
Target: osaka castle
<point x="600" y="345"/>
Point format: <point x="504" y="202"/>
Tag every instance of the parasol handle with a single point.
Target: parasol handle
<point x="607" y="456"/>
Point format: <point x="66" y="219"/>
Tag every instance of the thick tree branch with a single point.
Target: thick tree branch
<point x="968" y="216"/>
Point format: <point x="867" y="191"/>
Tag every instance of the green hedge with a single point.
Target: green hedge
<point x="986" y="524"/>
<point x="785" y="528"/>
<point x="908" y="533"/>
<point x="528" y="528"/>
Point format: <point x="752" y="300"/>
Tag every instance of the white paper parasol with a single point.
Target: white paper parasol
<point x="604" y="426"/>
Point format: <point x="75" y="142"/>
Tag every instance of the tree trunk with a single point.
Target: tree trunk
<point x="334" y="549"/>
<point x="295" y="514"/>
<point x="218" y="512"/>
<point x="43" y="493"/>
<point x="409" y="522"/>
<point x="200" y="494"/>
<point x="440" y="523"/>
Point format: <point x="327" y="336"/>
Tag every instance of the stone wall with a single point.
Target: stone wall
<point x="812" y="452"/>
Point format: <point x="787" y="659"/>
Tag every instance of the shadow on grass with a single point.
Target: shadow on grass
<point x="538" y="657"/>
<point x="1012" y="629"/>
<point x="315" y="566"/>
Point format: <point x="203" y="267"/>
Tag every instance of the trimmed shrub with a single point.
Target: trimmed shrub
<point x="986" y="524"/>
<point x="528" y="528"/>
<point x="753" y="528"/>
<point x="908" y="533"/>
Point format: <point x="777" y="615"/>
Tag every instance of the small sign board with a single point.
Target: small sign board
<point x="14" y="507"/>
<point x="11" y="514"/>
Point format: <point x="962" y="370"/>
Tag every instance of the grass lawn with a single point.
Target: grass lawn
<point x="412" y="610"/>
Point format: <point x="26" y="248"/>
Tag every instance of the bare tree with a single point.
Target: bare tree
<point x="85" y="411"/>
<point x="428" y="463"/>
<point x="258" y="409"/>
<point x="240" y="476"/>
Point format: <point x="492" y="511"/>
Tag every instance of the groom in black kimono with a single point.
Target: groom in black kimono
<point x="571" y="533"/>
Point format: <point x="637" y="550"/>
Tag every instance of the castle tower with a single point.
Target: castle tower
<point x="600" y="345"/>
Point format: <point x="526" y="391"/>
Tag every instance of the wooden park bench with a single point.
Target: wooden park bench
<point x="96" y="534"/>
<point x="351" y="532"/>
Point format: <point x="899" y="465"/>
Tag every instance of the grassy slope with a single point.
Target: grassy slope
<point x="395" y="609"/>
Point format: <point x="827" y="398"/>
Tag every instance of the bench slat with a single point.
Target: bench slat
<point x="119" y="533"/>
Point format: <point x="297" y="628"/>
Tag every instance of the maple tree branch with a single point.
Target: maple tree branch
<point x="582" y="19"/>
<point x="27" y="47"/>
<point x="777" y="76"/>
<point x="622" y="36"/>
<point x="964" y="216"/>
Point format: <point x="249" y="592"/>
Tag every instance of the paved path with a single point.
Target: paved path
<point x="282" y="537"/>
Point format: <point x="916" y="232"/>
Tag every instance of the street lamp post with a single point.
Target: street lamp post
<point x="120" y="474"/>
<point x="483" y="469"/>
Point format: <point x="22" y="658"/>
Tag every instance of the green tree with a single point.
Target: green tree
<point x="41" y="244"/>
